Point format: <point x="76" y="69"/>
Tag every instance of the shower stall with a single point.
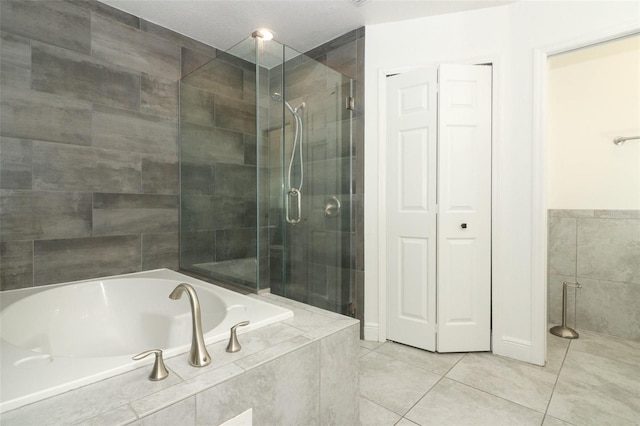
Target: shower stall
<point x="266" y="174"/>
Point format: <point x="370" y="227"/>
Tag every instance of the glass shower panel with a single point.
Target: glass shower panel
<point x="218" y="143"/>
<point x="315" y="173"/>
<point x="265" y="170"/>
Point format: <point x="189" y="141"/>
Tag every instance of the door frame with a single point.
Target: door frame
<point x="382" y="196"/>
<point x="539" y="236"/>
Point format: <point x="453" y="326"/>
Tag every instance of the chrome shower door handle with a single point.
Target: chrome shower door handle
<point x="294" y="192"/>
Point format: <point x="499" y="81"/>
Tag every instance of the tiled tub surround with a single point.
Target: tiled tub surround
<point x="56" y="338"/>
<point x="88" y="147"/>
<point x="601" y="250"/>
<point x="301" y="371"/>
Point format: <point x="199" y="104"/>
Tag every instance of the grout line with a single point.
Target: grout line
<point x="496" y="396"/>
<point x="553" y="389"/>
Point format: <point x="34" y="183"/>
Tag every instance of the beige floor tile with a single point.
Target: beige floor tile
<point x="516" y="381"/>
<point x="452" y="403"/>
<point x="370" y="345"/>
<point x="552" y="421"/>
<point x="556" y="350"/>
<point x="405" y="422"/>
<point x="607" y="346"/>
<point x="371" y="414"/>
<point x="434" y="362"/>
<point x="393" y="384"/>
<point x="597" y="390"/>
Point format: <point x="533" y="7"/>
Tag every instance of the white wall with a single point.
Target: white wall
<point x="508" y="37"/>
<point x="594" y="96"/>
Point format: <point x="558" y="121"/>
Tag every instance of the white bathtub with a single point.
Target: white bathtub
<point x="63" y="336"/>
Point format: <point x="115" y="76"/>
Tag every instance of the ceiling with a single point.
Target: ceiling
<point x="300" y="24"/>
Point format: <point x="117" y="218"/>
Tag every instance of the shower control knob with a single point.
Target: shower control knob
<point x="463" y="225"/>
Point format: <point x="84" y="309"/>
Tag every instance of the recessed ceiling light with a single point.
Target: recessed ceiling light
<point x="262" y="33"/>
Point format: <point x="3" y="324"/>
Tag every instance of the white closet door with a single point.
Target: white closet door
<point x="464" y="196"/>
<point x="411" y="208"/>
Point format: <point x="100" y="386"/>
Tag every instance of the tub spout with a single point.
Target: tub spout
<point x="198" y="357"/>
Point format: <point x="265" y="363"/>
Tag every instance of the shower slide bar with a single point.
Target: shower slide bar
<point x="619" y="140"/>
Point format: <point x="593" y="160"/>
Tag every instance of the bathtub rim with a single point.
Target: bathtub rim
<point x="112" y="368"/>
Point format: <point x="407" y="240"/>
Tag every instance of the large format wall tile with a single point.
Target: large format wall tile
<point x="118" y="214"/>
<point x="125" y="46"/>
<point x="35" y="115"/>
<point x="58" y="71"/>
<point x="609" y="307"/>
<point x="160" y="251"/>
<point x="158" y="96"/>
<point x="15" y="163"/>
<point x="82" y="258"/>
<point x="16" y="258"/>
<point x="15" y="61"/>
<point x="53" y="22"/>
<point x="609" y="249"/>
<point x="561" y="246"/>
<point x="236" y="115"/>
<point x="196" y="106"/>
<point x="128" y="131"/>
<point x="218" y="77"/>
<point x="605" y="249"/>
<point x="207" y="145"/>
<point x="176" y="38"/>
<point x="36" y="215"/>
<point x="160" y="174"/>
<point x="76" y="168"/>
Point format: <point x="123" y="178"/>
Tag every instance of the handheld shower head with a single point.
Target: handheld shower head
<point x="278" y="98"/>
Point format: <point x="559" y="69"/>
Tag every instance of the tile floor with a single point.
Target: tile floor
<point x="594" y="380"/>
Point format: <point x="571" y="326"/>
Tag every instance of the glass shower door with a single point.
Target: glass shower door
<point x="316" y="188"/>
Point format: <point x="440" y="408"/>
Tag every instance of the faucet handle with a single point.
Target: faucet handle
<point x="234" y="345"/>
<point x="159" y="371"/>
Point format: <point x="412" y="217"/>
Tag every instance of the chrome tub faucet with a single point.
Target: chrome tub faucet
<point x="198" y="357"/>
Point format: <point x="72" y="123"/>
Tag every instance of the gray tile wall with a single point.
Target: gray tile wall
<point x="89" y="142"/>
<point x="601" y="250"/>
<point x="218" y="170"/>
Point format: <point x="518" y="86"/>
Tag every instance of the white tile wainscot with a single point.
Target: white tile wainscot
<point x="300" y="371"/>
